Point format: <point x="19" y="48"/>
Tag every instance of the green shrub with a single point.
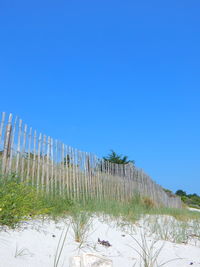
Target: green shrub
<point x="17" y="200"/>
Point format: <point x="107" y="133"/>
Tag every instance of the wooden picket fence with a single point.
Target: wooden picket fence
<point x="57" y="168"/>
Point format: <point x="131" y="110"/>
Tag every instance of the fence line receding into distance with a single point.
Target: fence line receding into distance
<point x="58" y="168"/>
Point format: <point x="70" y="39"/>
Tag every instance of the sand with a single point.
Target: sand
<point x="34" y="244"/>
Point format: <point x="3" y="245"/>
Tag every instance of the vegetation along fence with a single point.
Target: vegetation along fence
<point x="57" y="168"/>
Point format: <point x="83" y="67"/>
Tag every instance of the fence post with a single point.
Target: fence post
<point x="7" y="145"/>
<point x="2" y="124"/>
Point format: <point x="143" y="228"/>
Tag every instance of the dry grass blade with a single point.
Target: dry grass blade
<point x="60" y="246"/>
<point x="80" y="223"/>
<point x="148" y="253"/>
<point x="21" y="252"/>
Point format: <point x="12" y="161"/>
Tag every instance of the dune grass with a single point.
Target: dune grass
<point x="20" y="201"/>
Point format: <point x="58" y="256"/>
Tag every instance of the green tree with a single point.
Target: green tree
<point x="119" y="159"/>
<point x="181" y="193"/>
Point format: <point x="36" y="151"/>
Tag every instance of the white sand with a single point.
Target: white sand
<point x="34" y="245"/>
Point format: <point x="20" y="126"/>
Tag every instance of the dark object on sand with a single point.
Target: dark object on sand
<point x="104" y="243"/>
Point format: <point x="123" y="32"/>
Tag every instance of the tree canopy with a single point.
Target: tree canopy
<point x="192" y="200"/>
<point x="117" y="158"/>
<point x="180" y="193"/>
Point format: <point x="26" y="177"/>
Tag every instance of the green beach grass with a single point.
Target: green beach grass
<point x="20" y="201"/>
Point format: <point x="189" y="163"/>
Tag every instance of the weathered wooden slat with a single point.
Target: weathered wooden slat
<point x="29" y="154"/>
<point x="39" y="172"/>
<point x="63" y="168"/>
<point x="12" y="150"/>
<point x="48" y="164"/>
<point x="43" y="155"/>
<point x="70" y="172"/>
<point x="77" y="174"/>
<point x="34" y="158"/>
<point x="52" y="167"/>
<point x="23" y="155"/>
<point x="56" y="168"/>
<point x="85" y="175"/>
<point x="67" y="171"/>
<point x="2" y="125"/>
<point x="74" y="173"/>
<point x="7" y="145"/>
<point x="60" y="166"/>
<point x="19" y="146"/>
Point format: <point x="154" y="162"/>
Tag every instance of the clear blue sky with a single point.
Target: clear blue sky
<point x="108" y="74"/>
